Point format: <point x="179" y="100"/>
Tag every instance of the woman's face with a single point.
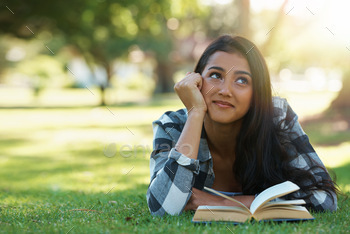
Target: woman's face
<point x="227" y="87"/>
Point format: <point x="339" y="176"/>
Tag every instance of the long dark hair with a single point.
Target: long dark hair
<point x="263" y="151"/>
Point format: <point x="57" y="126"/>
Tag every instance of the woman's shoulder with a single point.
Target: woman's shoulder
<point x="283" y="111"/>
<point x="279" y="102"/>
<point x="172" y="117"/>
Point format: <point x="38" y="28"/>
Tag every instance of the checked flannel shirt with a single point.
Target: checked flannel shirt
<point x="173" y="174"/>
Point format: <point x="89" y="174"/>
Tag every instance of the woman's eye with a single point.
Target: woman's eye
<point x="242" y="80"/>
<point x="215" y="75"/>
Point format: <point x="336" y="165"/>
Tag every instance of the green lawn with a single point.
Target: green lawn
<point x="81" y="170"/>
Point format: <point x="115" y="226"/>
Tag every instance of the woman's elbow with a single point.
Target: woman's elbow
<point x="333" y="203"/>
<point x="155" y="210"/>
<point x="158" y="209"/>
<point x="325" y="202"/>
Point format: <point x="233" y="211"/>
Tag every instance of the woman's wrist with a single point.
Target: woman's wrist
<point x="196" y="112"/>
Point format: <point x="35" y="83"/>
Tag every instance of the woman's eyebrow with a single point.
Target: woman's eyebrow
<point x="243" y="72"/>
<point x="236" y="72"/>
<point x="217" y="68"/>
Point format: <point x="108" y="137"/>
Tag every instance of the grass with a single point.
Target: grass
<point x="86" y="170"/>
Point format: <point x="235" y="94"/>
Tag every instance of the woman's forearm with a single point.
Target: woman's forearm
<point x="189" y="140"/>
<point x="201" y="198"/>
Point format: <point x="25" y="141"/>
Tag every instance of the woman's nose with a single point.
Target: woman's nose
<point x="225" y="89"/>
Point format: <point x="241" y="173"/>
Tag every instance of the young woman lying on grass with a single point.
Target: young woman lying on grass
<point x="233" y="137"/>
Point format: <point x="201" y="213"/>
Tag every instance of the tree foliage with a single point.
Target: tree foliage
<point x="103" y="30"/>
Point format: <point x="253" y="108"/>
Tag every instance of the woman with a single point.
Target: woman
<point x="233" y="137"/>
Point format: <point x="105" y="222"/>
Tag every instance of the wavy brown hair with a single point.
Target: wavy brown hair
<point x="263" y="149"/>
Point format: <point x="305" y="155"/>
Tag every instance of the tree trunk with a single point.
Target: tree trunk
<point x="243" y="18"/>
<point x="103" y="86"/>
<point x="102" y="91"/>
<point x="271" y="34"/>
<point x="342" y="101"/>
<point x="165" y="82"/>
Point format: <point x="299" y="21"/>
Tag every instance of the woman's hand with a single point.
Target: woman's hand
<point x="200" y="198"/>
<point x="188" y="90"/>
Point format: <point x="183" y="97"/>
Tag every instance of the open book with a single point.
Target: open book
<point x="262" y="208"/>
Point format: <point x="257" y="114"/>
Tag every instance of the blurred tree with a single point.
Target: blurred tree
<point x="244" y="28"/>
<point x="268" y="45"/>
<point x="342" y="102"/>
<point x="174" y="22"/>
<point x="98" y="31"/>
<point x="102" y="30"/>
<point x="2" y="57"/>
<point x="230" y="17"/>
<point x="42" y="69"/>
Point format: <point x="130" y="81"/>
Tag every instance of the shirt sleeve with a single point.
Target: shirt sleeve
<point x="172" y="173"/>
<point x="307" y="159"/>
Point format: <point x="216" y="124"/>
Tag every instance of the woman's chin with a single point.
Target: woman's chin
<point x="222" y="118"/>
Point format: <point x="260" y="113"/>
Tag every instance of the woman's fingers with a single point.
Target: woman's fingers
<point x="200" y="83"/>
<point x="188" y="90"/>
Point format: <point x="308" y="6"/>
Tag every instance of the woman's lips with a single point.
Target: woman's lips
<point x="223" y="104"/>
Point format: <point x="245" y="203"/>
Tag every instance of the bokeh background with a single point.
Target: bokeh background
<point x="81" y="82"/>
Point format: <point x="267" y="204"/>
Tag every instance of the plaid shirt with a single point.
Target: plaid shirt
<point x="173" y="174"/>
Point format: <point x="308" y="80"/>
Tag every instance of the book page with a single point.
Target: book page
<point x="284" y="212"/>
<point x="224" y="208"/>
<point x="221" y="213"/>
<point x="227" y="197"/>
<point x="283" y="202"/>
<point x="268" y="194"/>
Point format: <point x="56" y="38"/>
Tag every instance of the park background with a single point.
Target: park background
<point x="82" y="81"/>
